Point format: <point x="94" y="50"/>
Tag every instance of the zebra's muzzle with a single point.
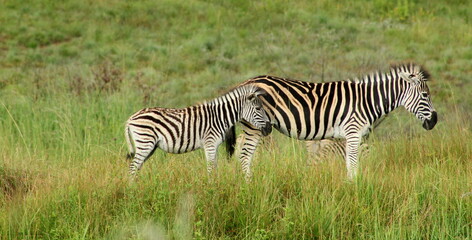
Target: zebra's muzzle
<point x="429" y="124"/>
<point x="267" y="129"/>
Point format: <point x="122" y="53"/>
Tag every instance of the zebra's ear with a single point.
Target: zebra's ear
<point x="261" y="92"/>
<point x="409" y="77"/>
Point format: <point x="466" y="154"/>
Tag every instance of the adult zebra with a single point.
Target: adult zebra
<point x="201" y="126"/>
<point x="343" y="109"/>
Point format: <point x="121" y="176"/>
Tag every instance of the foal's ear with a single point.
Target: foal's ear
<point x="410" y="77"/>
<point x="251" y="97"/>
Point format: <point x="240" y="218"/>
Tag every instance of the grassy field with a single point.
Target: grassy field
<point x="72" y="72"/>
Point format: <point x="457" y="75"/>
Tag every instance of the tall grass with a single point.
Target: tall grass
<point x="72" y="72"/>
<point x="409" y="188"/>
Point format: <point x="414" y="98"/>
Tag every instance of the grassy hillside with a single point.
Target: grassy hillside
<point x="71" y="73"/>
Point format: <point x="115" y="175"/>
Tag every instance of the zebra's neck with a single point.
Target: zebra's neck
<point x="384" y="91"/>
<point x="225" y="109"/>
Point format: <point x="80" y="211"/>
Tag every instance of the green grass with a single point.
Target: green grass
<point x="71" y="73"/>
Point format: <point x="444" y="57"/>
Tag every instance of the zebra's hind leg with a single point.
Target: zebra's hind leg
<point x="139" y="158"/>
<point x="320" y="150"/>
<point x="313" y="148"/>
<point x="251" y="139"/>
<point x="143" y="152"/>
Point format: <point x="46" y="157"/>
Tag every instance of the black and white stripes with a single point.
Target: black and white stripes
<point x="201" y="126"/>
<point x="319" y="150"/>
<point x="343" y="109"/>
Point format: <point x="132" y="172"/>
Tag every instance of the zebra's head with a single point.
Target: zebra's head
<point x="417" y="99"/>
<point x="253" y="111"/>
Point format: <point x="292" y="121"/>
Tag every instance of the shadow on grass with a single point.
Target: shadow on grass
<point x="14" y="183"/>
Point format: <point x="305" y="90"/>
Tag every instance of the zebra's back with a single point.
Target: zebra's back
<point x="305" y="110"/>
<point x="172" y="130"/>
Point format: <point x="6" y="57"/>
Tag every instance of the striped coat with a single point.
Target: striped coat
<point x="201" y="126"/>
<point x="344" y="109"/>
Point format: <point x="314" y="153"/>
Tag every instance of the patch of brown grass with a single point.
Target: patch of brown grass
<point x="14" y="182"/>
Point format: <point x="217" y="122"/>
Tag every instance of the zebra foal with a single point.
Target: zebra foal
<point x="201" y="126"/>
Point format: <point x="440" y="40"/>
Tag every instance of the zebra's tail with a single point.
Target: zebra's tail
<point x="230" y="139"/>
<point x="128" y="137"/>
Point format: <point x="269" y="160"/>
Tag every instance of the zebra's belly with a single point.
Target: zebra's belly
<point x="179" y="145"/>
<point x="315" y="134"/>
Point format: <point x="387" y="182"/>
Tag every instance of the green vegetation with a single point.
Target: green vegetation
<point x="71" y="72"/>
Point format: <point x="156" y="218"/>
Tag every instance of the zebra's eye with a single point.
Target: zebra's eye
<point x="424" y="94"/>
<point x="258" y="108"/>
<point x="412" y="75"/>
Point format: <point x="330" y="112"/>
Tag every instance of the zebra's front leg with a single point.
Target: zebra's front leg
<point x="249" y="144"/>
<point x="210" y="154"/>
<point x="352" y="151"/>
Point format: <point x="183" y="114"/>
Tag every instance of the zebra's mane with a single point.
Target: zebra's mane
<point x="400" y="67"/>
<point x="233" y="93"/>
<point x="409" y="67"/>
